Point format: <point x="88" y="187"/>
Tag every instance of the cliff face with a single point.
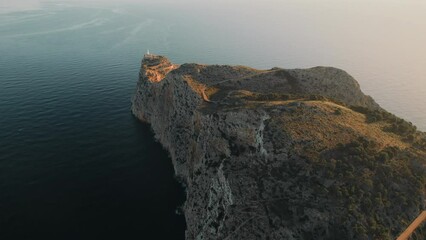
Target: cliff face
<point x="282" y="154"/>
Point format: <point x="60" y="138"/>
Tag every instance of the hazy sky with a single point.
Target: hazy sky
<point x="19" y="5"/>
<point x="377" y="41"/>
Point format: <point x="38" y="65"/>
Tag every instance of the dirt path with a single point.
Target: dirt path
<point x="419" y="220"/>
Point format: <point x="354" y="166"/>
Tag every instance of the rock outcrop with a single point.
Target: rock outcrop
<point x="282" y="154"/>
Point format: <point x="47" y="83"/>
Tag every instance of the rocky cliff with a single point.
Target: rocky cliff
<point x="282" y="154"/>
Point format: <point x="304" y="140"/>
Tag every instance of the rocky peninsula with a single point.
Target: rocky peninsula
<point x="282" y="153"/>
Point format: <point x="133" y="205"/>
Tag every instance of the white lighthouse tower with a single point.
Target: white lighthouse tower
<point x="148" y="55"/>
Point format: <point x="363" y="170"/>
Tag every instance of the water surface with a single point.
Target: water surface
<point x="75" y="164"/>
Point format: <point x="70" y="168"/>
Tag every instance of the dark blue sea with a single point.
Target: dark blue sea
<point x="75" y="163"/>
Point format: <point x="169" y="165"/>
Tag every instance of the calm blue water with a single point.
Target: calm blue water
<point x="75" y="164"/>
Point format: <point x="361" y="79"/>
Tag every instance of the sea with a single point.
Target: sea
<point x="75" y="163"/>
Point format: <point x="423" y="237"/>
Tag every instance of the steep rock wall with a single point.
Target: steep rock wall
<point x="250" y="167"/>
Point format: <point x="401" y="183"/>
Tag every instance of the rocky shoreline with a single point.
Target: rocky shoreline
<point x="282" y="154"/>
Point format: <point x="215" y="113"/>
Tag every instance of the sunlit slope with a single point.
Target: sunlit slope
<point x="282" y="154"/>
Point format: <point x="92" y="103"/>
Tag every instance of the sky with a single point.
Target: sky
<point x="22" y="5"/>
<point x="371" y="39"/>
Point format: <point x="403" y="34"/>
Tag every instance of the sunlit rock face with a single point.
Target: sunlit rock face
<point x="282" y="154"/>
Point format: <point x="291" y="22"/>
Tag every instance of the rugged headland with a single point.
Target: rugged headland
<point x="282" y="154"/>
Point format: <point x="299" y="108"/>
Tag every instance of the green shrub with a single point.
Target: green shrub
<point x="373" y="186"/>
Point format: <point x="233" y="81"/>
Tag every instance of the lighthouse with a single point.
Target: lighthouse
<point x="148" y="55"/>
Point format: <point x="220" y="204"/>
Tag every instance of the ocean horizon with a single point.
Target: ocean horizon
<point x="75" y="163"/>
